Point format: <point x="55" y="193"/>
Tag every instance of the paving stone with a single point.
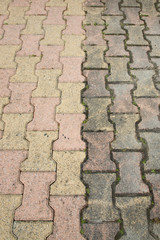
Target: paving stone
<point x="73" y="46"/>
<point x="8" y="205"/>
<point x="153" y="141"/>
<point x="155" y="52"/>
<point x="67" y="210"/>
<point x="37" y="7"/>
<point x="119" y="71"/>
<point x="2" y="18"/>
<point x="93" y="16"/>
<point x="40" y="152"/>
<point x="50" y="57"/>
<point x="7" y="56"/>
<point x="148" y="8"/>
<point x="112" y="8"/>
<point x="70" y="98"/>
<point x="132" y="16"/>
<point x="34" y="25"/>
<point x="74" y="25"/>
<point x="116" y="46"/>
<point x="153" y="25"/>
<point x="52" y="3"/>
<point x="10" y="171"/>
<point x="136" y="35"/>
<point x="11" y="35"/>
<point x="47" y="83"/>
<point x="50" y="31"/>
<point x="20" y="3"/>
<point x="123" y="99"/>
<point x="4" y="7"/>
<point x="35" y="196"/>
<point x="93" y="3"/>
<point x="20" y="98"/>
<point x="98" y="151"/>
<point x="69" y="138"/>
<point x="149" y="111"/>
<point x="54" y="15"/>
<point x="71" y="72"/>
<point x="156" y="228"/>
<point x="16" y="15"/>
<point x="125" y="131"/>
<point x="96" y="82"/>
<point x="68" y="173"/>
<point x="113" y="25"/>
<point x="95" y="57"/>
<point x="129" y="165"/>
<point x="14" y="131"/>
<point x="74" y="8"/>
<point x="134" y="215"/>
<point x="32" y="229"/>
<point x="97" y="115"/>
<point x="140" y="57"/>
<point x="100" y="206"/>
<point x="103" y="231"/>
<point x="154" y="180"/>
<point x="25" y="70"/>
<point x="145" y="84"/>
<point x="45" y="121"/>
<point x="130" y="3"/>
<point x="94" y="36"/>
<point x="5" y="75"/>
<point x="3" y="101"/>
<point x="30" y="45"/>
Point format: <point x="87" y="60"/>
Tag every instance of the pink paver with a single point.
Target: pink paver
<point x="2" y="18"/>
<point x="11" y="34"/>
<point x="37" y="7"/>
<point x="132" y="16"/>
<point x="149" y="111"/>
<point x="5" y="75"/>
<point x="69" y="133"/>
<point x="10" y="171"/>
<point x="20" y="98"/>
<point x="55" y="16"/>
<point x="30" y="45"/>
<point x="35" y="196"/>
<point x="116" y="46"/>
<point x="50" y="59"/>
<point x="71" y="72"/>
<point x="20" y="3"/>
<point x="44" y="115"/>
<point x="67" y="214"/>
<point x="74" y="25"/>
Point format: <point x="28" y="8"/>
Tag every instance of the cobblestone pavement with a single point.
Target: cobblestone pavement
<point x="79" y="119"/>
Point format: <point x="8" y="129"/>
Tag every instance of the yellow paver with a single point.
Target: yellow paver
<point x="16" y="15"/>
<point x="7" y="56"/>
<point x="34" y="25"/>
<point x="53" y="35"/>
<point x="73" y="46"/>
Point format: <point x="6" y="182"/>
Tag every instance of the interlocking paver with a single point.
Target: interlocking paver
<point x="93" y="16"/>
<point x="74" y="8"/>
<point x="74" y="25"/>
<point x="11" y="35"/>
<point x="132" y="16"/>
<point x="113" y="25"/>
<point x="93" y="3"/>
<point x="4" y="81"/>
<point x="112" y="8"/>
<point x="16" y="15"/>
<point x="136" y="35"/>
<point x="73" y="46"/>
<point x="7" y="56"/>
<point x="116" y="46"/>
<point x="4" y="6"/>
<point x="130" y="3"/>
<point x="54" y="15"/>
<point x="58" y="3"/>
<point x="148" y="8"/>
<point x="152" y="25"/>
<point x="155" y="52"/>
<point x="34" y="25"/>
<point x="3" y="101"/>
<point x="50" y="31"/>
<point x="94" y="35"/>
<point x="20" y="3"/>
<point x="2" y="18"/>
<point x="37" y="7"/>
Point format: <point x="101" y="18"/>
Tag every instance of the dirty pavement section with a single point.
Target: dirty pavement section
<point x="79" y="119"/>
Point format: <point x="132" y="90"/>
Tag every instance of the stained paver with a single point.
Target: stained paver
<point x="79" y="119"/>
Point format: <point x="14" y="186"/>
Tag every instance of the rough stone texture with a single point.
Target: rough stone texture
<point x="100" y="206"/>
<point x="73" y="46"/>
<point x="116" y="46"/>
<point x="125" y="131"/>
<point x="35" y="196"/>
<point x="112" y="8"/>
<point x="129" y="165"/>
<point x="9" y="171"/>
<point x="32" y="229"/>
<point x="50" y="31"/>
<point x="14" y="131"/>
<point x="95" y="57"/>
<point x="40" y="152"/>
<point x="74" y="25"/>
<point x="123" y="99"/>
<point x="101" y="231"/>
<point x="97" y="114"/>
<point x="153" y="141"/>
<point x="70" y="98"/>
<point x="34" y="25"/>
<point x="93" y="16"/>
<point x="134" y="215"/>
<point x="113" y="25"/>
<point x="11" y="35"/>
<point x="132" y="16"/>
<point x="154" y="180"/>
<point x="98" y="151"/>
<point x="67" y="211"/>
<point x="149" y="110"/>
<point x="69" y="139"/>
<point x="68" y="173"/>
<point x="94" y="35"/>
<point x="136" y="35"/>
<point x="45" y="121"/>
<point x="96" y="82"/>
<point x="7" y="56"/>
<point x="155" y="52"/>
<point x="145" y="84"/>
<point x="8" y="204"/>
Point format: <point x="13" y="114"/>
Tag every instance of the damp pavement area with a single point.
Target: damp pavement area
<point x="79" y="119"/>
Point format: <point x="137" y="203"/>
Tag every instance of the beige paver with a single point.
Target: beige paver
<point x="74" y="8"/>
<point x="3" y="101"/>
<point x="53" y="35"/>
<point x="7" y="56"/>
<point x="73" y="46"/>
<point x="16" y="15"/>
<point x="52" y="3"/>
<point x="4" y="6"/>
<point x="34" y="25"/>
